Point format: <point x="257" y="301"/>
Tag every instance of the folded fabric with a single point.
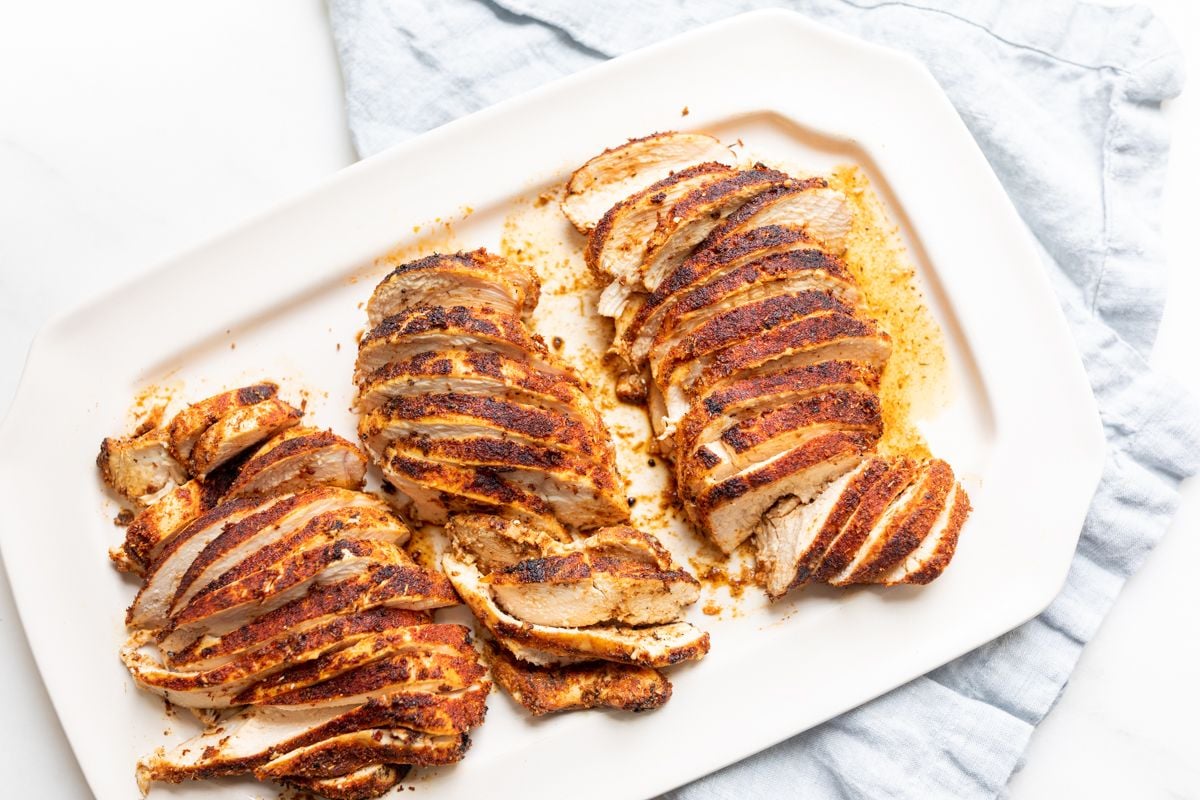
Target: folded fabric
<point x="1064" y="99"/>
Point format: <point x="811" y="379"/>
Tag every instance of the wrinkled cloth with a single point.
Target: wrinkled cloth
<point x="1065" y="101"/>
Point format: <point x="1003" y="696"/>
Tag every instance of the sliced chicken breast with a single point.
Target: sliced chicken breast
<point x="371" y="781"/>
<point x="933" y="555"/>
<point x="818" y="337"/>
<point x="152" y="605"/>
<point x="187" y="426"/>
<point x="621" y="171"/>
<point x="696" y="214"/>
<point x="745" y="322"/>
<point x="238" y="431"/>
<point x="579" y="491"/>
<point x="435" y="329"/>
<point x="902" y="527"/>
<point x="153" y="528"/>
<point x="810" y="206"/>
<point x="430" y="491"/>
<point x="729" y="511"/>
<point x="491" y="542"/>
<point x="402" y="587"/>
<point x="476" y="280"/>
<point x="300" y="458"/>
<point x="712" y="414"/>
<point x="546" y="690"/>
<point x="577" y="590"/>
<point x="351" y="751"/>
<point x="793" y="535"/>
<point x="478" y="373"/>
<point x="639" y="324"/>
<point x="617" y="245"/>
<point x="758" y="439"/>
<point x="896" y="484"/>
<point x="653" y="646"/>
<point x="140" y="468"/>
<point x="455" y="416"/>
<point x="791" y="273"/>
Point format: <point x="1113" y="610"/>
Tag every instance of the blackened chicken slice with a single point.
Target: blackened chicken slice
<point x="455" y="416"/>
<point x="653" y="646"/>
<point x="430" y="491"/>
<point x="546" y="690"/>
<point x="238" y="431"/>
<point x="301" y="458"/>
<point x="695" y="215"/>
<point x="793" y="535"/>
<point x="721" y="409"/>
<point x="933" y="554"/>
<point x="758" y="439"/>
<point x="639" y="323"/>
<point x="791" y="273"/>
<point x="810" y="206"/>
<point x="729" y="511"/>
<point x="579" y="490"/>
<point x="478" y="373"/>
<point x="440" y="328"/>
<point x="187" y="426"/>
<point x="617" y="246"/>
<point x="901" y="529"/>
<point x="621" y="171"/>
<point x="476" y="280"/>
<point x="140" y="468"/>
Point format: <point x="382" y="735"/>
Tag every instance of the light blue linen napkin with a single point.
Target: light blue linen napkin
<point x="1064" y="99"/>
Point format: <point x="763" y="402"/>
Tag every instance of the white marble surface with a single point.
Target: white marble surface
<point x="129" y="131"/>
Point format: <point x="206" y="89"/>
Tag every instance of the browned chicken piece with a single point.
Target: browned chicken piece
<point x="652" y="646"/>
<point x="476" y="280"/>
<point x="638" y="326"/>
<point x="622" y="171"/>
<point x="545" y="690"/>
<point x="491" y="542"/>
<point x="810" y="206"/>
<point x="722" y="409"/>
<point x="155" y="526"/>
<point x="479" y="373"/>
<point x="883" y="522"/>
<point x="902" y="527"/>
<point x="759" y="439"/>
<point x="252" y="739"/>
<point x="618" y="574"/>
<point x="140" y="468"/>
<point x="189" y="424"/>
<point x="617" y="245"/>
<point x="425" y="329"/>
<point x="686" y="359"/>
<point x="430" y="491"/>
<point x="794" y="536"/>
<point x="728" y="512"/>
<point x="695" y="215"/>
<point x="455" y="416"/>
<point x="581" y="589"/>
<point x="933" y="554"/>
<point x="238" y="431"/>
<point x="300" y="458"/>
<point x="578" y="491"/>
<point x="371" y="781"/>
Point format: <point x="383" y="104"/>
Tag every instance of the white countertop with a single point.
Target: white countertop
<point x="130" y="131"/>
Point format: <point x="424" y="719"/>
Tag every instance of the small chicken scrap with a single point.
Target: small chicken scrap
<point x="739" y="325"/>
<point x="581" y="623"/>
<point x="277" y="602"/>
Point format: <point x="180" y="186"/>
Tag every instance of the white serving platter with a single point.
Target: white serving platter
<point x="276" y="297"/>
